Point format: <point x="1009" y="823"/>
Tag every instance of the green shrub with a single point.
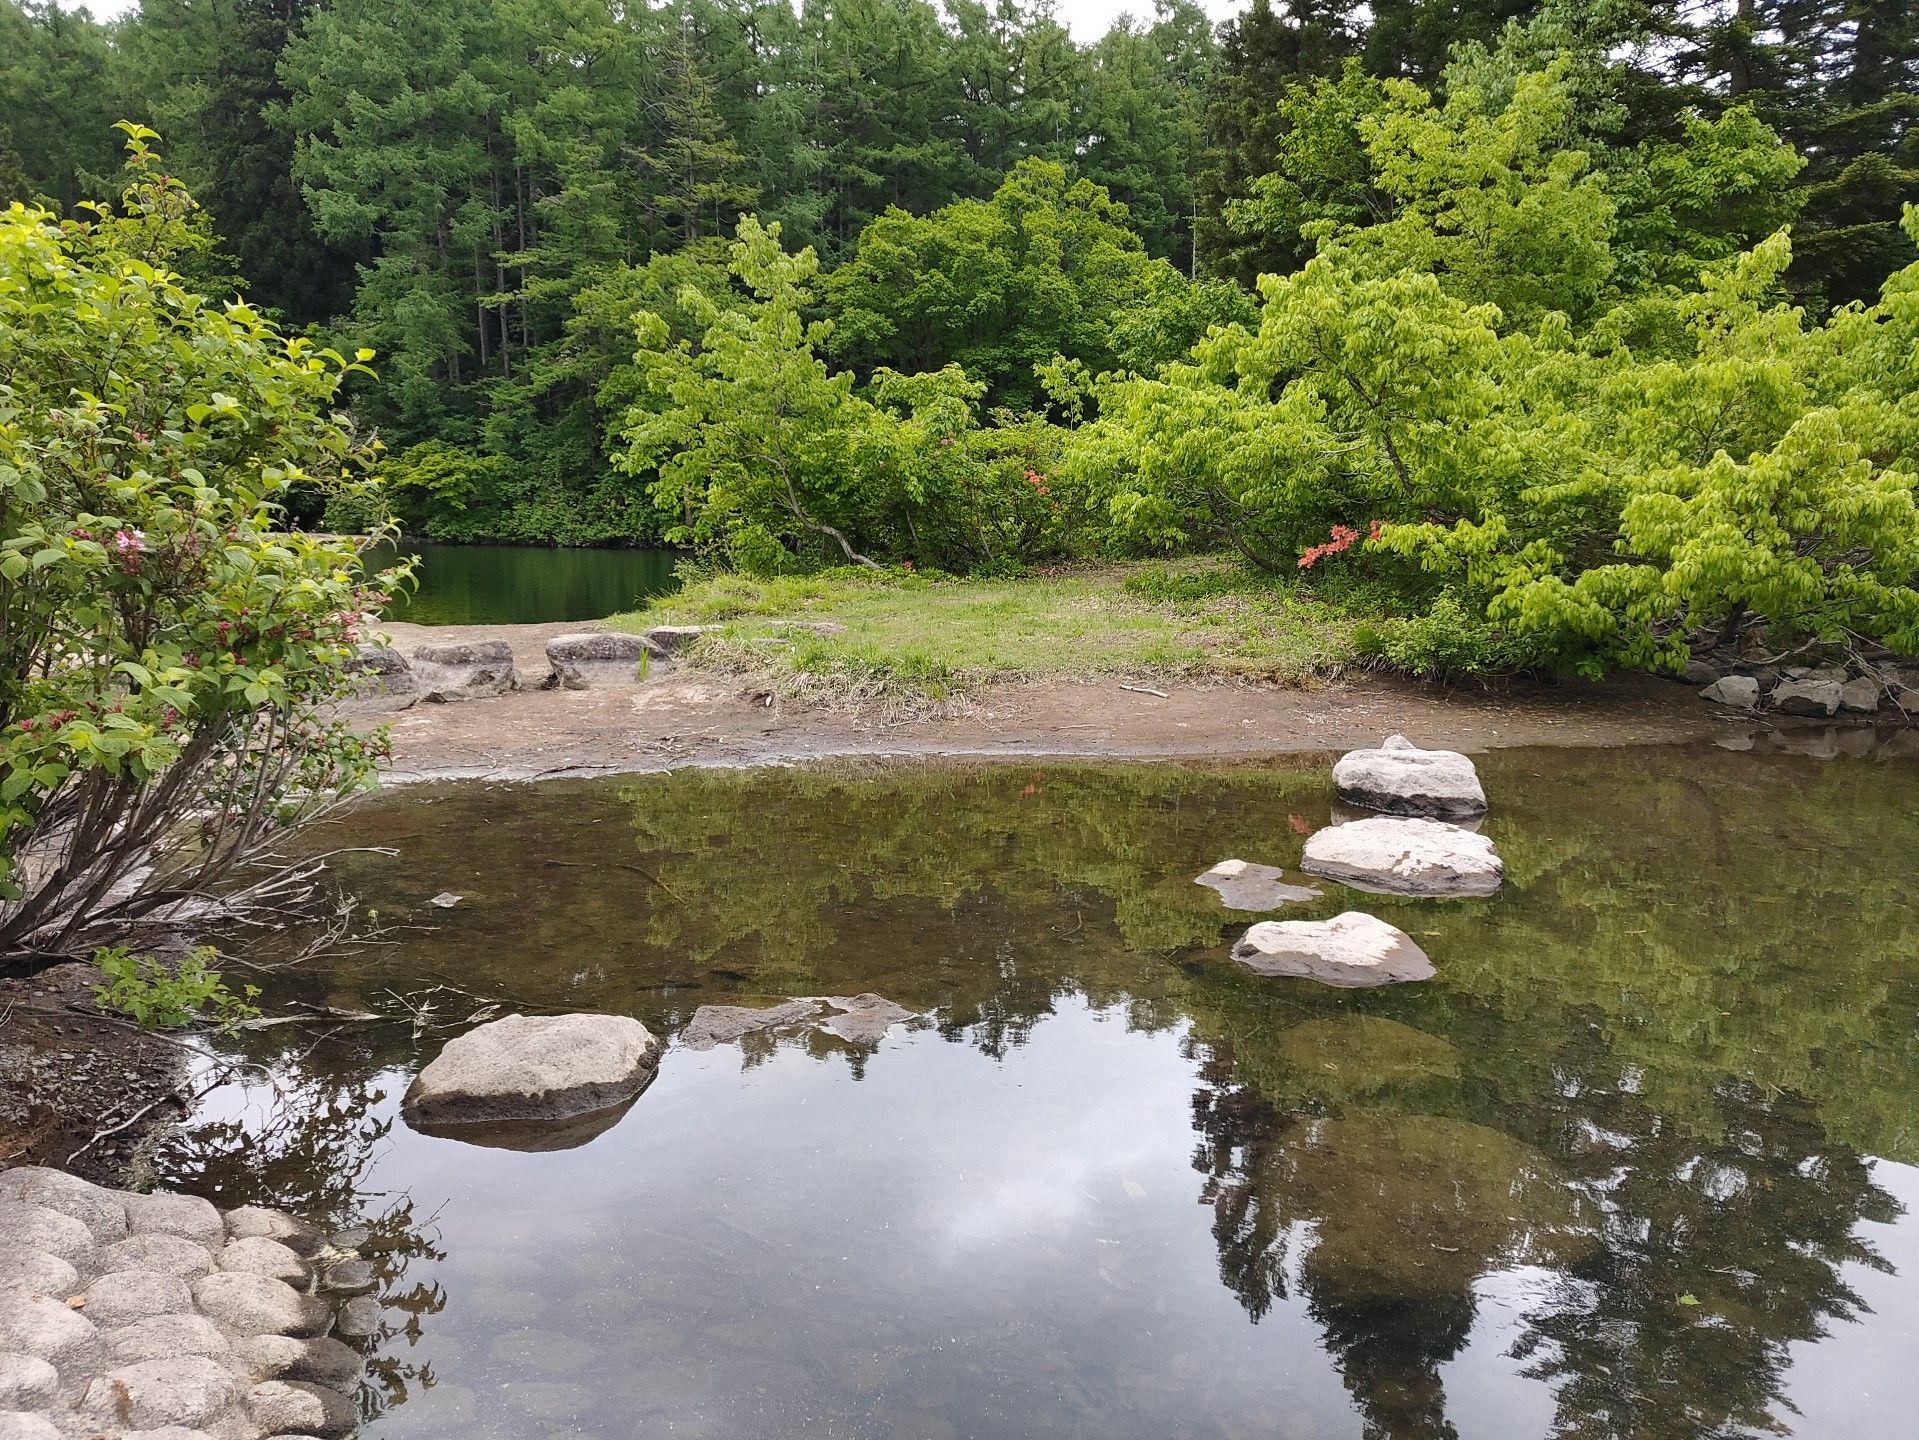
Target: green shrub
<point x="167" y="651"/>
<point x="156" y="996"/>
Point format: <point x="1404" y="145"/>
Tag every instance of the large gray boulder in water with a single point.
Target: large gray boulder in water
<point x="1401" y="779"/>
<point x="465" y="670"/>
<point x="1349" y="950"/>
<point x="1405" y="855"/>
<point x="534" y="1067"/>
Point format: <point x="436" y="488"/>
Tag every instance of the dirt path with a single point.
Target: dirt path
<point x="682" y="716"/>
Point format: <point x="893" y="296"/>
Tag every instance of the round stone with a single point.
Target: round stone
<point x="349" y="1277"/>
<point x="1352" y="949"/>
<point x="186" y="1215"/>
<point x="1405" y="855"/>
<point x="160" y="1337"/>
<point x="257" y="1255"/>
<point x="255" y="1222"/>
<point x="43" y="1326"/>
<point x="102" y="1211"/>
<point x="1401" y="779"/>
<point x="162" y="1254"/>
<point x="23" y="1425"/>
<point x="534" y="1067"/>
<point x="359" y="1318"/>
<point x="129" y="1295"/>
<point x="186" y="1390"/>
<point x="38" y="1228"/>
<point x="259" y="1304"/>
<point x="324" y="1361"/>
<point x="24" y="1268"/>
<point x="27" y="1383"/>
<point x="294" y="1405"/>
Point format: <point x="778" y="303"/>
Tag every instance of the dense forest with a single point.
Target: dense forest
<point x="1553" y="291"/>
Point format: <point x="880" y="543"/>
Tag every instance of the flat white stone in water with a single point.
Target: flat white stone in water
<point x="1243" y="885"/>
<point x="535" y="1067"/>
<point x="1349" y="950"/>
<point x="1401" y="779"/>
<point x="1405" y="855"/>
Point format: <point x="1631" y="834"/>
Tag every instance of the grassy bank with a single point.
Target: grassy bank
<point x="859" y="635"/>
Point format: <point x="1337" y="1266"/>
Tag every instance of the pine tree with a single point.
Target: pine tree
<point x="1263" y="55"/>
<point x="696" y="174"/>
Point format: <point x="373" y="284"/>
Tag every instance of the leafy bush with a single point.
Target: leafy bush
<point x="156" y="996"/>
<point x="1567" y="483"/>
<point x="165" y="652"/>
<point x="769" y="457"/>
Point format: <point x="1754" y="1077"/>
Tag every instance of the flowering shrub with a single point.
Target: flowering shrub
<point x="1342" y="541"/>
<point x="167" y="652"/>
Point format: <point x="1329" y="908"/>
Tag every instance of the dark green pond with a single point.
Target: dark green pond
<point x="1641" y="1161"/>
<point x="522" y="584"/>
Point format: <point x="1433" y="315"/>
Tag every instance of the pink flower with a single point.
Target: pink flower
<point x="1343" y="537"/>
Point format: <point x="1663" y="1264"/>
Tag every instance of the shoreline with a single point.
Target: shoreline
<point x="682" y="716"/>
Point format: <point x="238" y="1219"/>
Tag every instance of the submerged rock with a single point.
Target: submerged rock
<point x="465" y="670"/>
<point x="864" y="1019"/>
<point x="1243" y="885"/>
<point x="535" y="1067"/>
<point x="1349" y="950"/>
<point x="1401" y="779"/>
<point x="723" y="1024"/>
<point x="596" y="657"/>
<point x="860" y="1019"/>
<point x="1344" y="1057"/>
<point x="1739" y="692"/>
<point x="1405" y="855"/>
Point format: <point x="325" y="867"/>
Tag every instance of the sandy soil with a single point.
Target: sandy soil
<point x="683" y="716"/>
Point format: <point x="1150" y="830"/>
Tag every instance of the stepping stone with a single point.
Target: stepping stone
<point x="1349" y="950"/>
<point x="1405" y="855"/>
<point x="1401" y="779"/>
<point x="1243" y="885"/>
<point x="535" y="1067"/>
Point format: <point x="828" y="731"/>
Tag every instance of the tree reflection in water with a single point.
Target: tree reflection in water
<point x="1682" y="1264"/>
<point x="301" y="1128"/>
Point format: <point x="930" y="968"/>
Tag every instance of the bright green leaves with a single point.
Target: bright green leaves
<point x="150" y="606"/>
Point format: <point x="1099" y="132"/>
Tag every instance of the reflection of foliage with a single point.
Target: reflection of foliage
<point x="1753" y="1224"/>
<point x="300" y="1132"/>
<point x="1385" y="1218"/>
<point x="1651" y="1066"/>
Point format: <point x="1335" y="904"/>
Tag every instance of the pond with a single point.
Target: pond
<point x="522" y="584"/>
<point x="1643" y="1159"/>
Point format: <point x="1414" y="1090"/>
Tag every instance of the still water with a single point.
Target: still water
<point x="522" y="584"/>
<point x="1642" y="1161"/>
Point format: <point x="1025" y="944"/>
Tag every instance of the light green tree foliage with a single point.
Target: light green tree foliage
<point x="760" y="449"/>
<point x="1045" y="267"/>
<point x="1556" y="480"/>
<point x="167" y="652"/>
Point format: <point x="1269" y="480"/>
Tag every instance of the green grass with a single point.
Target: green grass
<point x="896" y="636"/>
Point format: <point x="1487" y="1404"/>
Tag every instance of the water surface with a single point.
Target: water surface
<point x="1642" y="1160"/>
<point x="524" y="584"/>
